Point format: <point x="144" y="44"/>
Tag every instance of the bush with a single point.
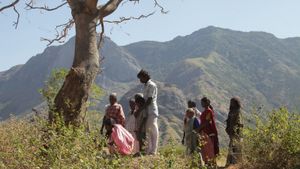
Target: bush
<point x="25" y="144"/>
<point x="19" y="144"/>
<point x="274" y="142"/>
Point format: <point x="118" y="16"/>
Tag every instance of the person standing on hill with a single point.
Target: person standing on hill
<point x="233" y="129"/>
<point x="150" y="96"/>
<point x="208" y="126"/>
<point x="191" y="104"/>
<point x="141" y="119"/>
<point x="114" y="111"/>
<point x="130" y="125"/>
<point x="191" y="125"/>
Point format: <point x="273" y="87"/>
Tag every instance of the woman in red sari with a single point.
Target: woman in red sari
<point x="209" y="130"/>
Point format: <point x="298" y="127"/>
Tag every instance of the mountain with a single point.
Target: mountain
<point x="220" y="63"/>
<point x="264" y="71"/>
<point x="19" y="86"/>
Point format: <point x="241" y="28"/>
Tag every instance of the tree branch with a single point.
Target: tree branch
<point x="9" y="5"/>
<point x="162" y="9"/>
<point x="13" y="5"/>
<point x="101" y="33"/>
<point x="18" y="17"/>
<point x="45" y="7"/>
<point x="135" y="1"/>
<point x="109" y="7"/>
<point x="123" y="19"/>
<point x="60" y="35"/>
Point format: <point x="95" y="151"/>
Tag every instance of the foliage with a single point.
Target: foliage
<point x="35" y="144"/>
<point x="274" y="142"/>
<point x="54" y="83"/>
<point x="271" y="143"/>
<point x="96" y="93"/>
<point x="19" y="143"/>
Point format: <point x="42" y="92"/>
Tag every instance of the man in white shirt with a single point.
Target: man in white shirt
<point x="150" y="96"/>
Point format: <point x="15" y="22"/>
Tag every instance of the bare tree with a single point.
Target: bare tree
<point x="10" y="5"/>
<point x="13" y="6"/>
<point x="70" y="102"/>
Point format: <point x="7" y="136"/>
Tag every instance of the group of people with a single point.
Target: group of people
<point x="200" y="133"/>
<point x="129" y="136"/>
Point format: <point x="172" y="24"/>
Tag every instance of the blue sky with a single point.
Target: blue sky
<point x="185" y="16"/>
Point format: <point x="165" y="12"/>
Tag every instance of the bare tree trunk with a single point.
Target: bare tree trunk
<point x="70" y="101"/>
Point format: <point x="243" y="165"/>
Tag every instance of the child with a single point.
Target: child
<point x="120" y="140"/>
<point x="141" y="118"/>
<point x="131" y="125"/>
<point x="191" y="129"/>
<point x="191" y="104"/>
<point x="191" y="125"/>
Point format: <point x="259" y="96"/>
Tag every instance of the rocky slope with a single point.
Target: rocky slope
<point x="264" y="71"/>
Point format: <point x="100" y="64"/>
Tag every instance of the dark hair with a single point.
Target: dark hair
<point x="109" y="121"/>
<point x="139" y="99"/>
<point x="191" y="103"/>
<point x="143" y="73"/>
<point x="207" y="102"/>
<point x="237" y="103"/>
<point x="113" y="96"/>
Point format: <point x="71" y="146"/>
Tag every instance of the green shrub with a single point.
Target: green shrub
<point x="274" y="142"/>
<point x="25" y="144"/>
<point x="52" y="85"/>
<point x="19" y="144"/>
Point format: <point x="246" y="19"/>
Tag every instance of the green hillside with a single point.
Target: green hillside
<point x="220" y="63"/>
<point x="261" y="69"/>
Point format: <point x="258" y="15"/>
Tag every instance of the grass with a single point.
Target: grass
<point x="271" y="143"/>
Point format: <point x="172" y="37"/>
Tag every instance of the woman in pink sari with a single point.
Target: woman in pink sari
<point x="209" y="133"/>
<point x="120" y="140"/>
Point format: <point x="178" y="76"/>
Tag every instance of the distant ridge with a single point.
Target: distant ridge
<point x="216" y="62"/>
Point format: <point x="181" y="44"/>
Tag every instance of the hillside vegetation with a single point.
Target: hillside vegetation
<point x="24" y="143"/>
<point x="33" y="143"/>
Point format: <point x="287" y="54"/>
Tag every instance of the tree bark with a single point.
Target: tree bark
<point x="70" y="102"/>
